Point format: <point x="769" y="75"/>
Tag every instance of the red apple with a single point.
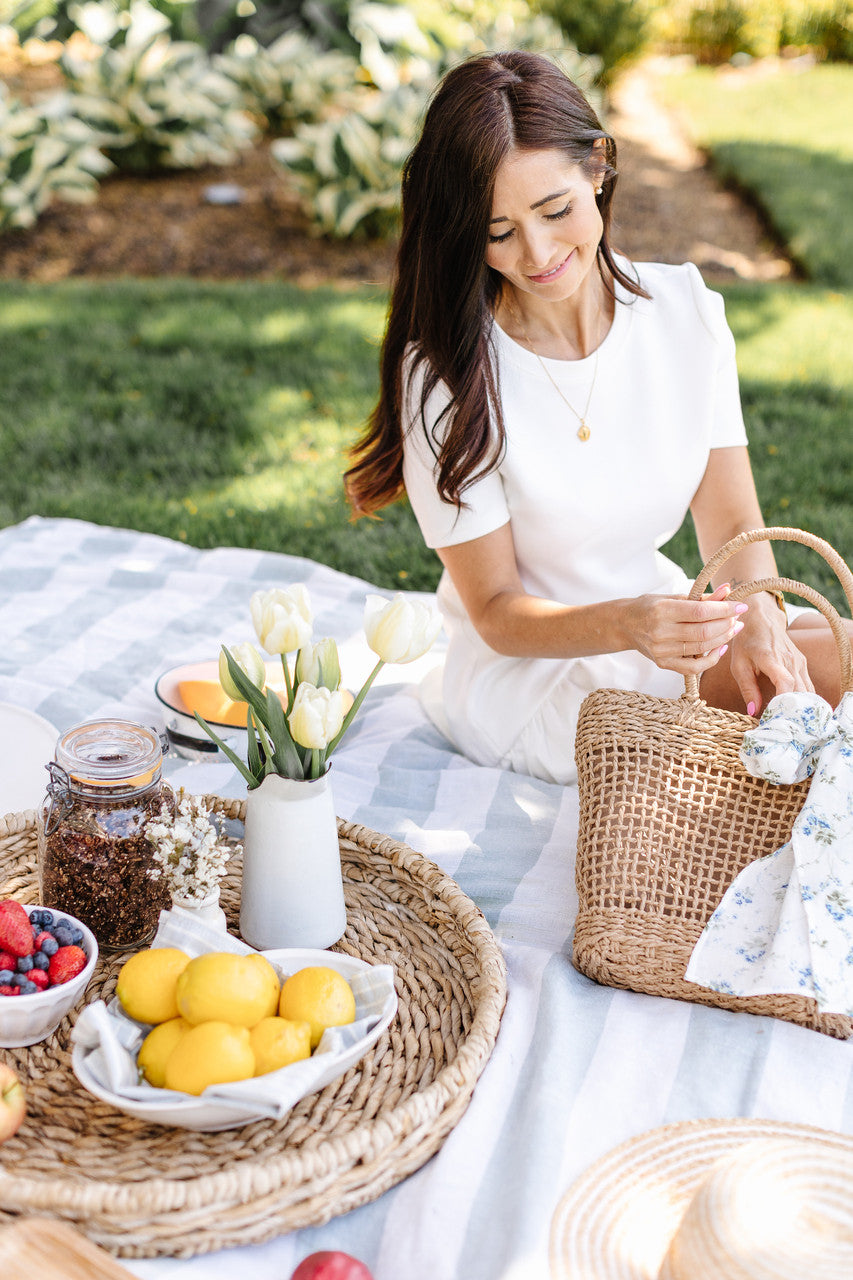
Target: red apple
<point x="13" y="1104"/>
<point x="331" y="1264"/>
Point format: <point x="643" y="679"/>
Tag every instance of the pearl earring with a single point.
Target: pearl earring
<point x="598" y="191"/>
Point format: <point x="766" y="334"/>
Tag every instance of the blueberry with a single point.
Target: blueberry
<point x="25" y="963"/>
<point x="18" y="980"/>
<point x="62" y="936"/>
<point x="37" y="916"/>
<point x="49" y="947"/>
<point x="77" y="936"/>
<point x="46" y="918"/>
<point x="28" y="988"/>
<point x="41" y="961"/>
<point x="6" y="976"/>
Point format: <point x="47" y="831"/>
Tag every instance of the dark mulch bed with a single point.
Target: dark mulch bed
<point x="669" y="209"/>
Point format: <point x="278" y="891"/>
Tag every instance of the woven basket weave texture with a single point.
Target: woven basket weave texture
<point x="668" y="818"/>
<point x="144" y="1190"/>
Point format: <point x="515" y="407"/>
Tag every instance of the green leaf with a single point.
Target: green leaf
<point x="251" y="693"/>
<point x="268" y="749"/>
<point x="253" y="754"/>
<point x="286" y="755"/>
<point x="354" y="709"/>
<point x="235" y="759"/>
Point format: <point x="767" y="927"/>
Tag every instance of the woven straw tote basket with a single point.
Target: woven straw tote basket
<point x="669" y="816"/>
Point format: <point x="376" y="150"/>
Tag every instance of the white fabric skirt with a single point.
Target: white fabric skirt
<point x="545" y="745"/>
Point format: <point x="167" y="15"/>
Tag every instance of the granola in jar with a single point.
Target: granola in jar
<point x="95" y="860"/>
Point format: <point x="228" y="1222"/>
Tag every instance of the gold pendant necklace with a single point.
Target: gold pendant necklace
<point x="583" y="431"/>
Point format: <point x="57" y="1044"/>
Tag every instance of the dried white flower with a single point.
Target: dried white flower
<point x="189" y="852"/>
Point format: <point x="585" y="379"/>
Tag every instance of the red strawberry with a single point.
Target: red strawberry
<point x="8" y="961"/>
<point x="65" y="964"/>
<point x="16" y="932"/>
<point x="39" y="977"/>
<point x="10" y="991"/>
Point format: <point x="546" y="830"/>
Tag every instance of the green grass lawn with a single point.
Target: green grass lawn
<point x="221" y="414"/>
<point x="796" y="376"/>
<point x="215" y="414"/>
<point x="785" y="138"/>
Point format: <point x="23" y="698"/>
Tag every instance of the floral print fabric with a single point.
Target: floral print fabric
<point x="785" y="925"/>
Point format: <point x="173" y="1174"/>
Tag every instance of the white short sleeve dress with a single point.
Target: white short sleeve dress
<point x="587" y="517"/>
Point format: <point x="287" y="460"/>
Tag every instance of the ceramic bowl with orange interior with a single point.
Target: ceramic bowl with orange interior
<point x="195" y="686"/>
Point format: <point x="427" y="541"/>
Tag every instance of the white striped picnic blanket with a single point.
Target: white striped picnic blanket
<point x="90" y="616"/>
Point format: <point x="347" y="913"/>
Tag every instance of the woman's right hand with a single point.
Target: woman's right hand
<point x="687" y="636"/>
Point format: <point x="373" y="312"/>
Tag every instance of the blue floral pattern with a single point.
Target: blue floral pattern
<point x="786" y="923"/>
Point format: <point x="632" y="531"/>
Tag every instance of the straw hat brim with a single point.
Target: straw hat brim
<point x="616" y="1222"/>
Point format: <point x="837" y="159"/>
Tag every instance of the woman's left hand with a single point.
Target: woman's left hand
<point x="764" y="648"/>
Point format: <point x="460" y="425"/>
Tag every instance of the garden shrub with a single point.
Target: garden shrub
<point x="715" y="30"/>
<point x="347" y="166"/>
<point x="347" y="169"/>
<point x="57" y="19"/>
<point x="292" y="80"/>
<point x="44" y="152"/>
<point x="161" y="103"/>
<point x="614" y="31"/>
<point x="827" y="26"/>
<point x="347" y="80"/>
<point x="221" y="22"/>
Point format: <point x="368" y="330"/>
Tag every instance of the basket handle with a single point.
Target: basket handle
<point x="744" y="589"/>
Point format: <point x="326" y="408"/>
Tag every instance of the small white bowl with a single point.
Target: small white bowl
<point x="27" y="1019"/>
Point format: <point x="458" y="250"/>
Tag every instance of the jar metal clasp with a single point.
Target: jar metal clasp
<point x="60" y="802"/>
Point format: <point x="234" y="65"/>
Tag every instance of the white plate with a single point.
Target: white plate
<point x="27" y="744"/>
<point x="208" y="1115"/>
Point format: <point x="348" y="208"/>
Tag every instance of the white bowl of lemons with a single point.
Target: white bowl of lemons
<point x="225" y="1038"/>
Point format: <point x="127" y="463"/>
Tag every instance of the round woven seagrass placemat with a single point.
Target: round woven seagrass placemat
<point x="145" y="1190"/>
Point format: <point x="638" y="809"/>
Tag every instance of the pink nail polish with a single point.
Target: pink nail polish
<point x="741" y="608"/>
<point x="737" y="628"/>
<point x="724" y="649"/>
<point x="750" y="708"/>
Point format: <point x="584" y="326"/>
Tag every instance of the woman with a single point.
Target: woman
<point x="552" y="413"/>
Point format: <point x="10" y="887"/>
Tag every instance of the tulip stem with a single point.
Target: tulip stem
<point x="288" y="686"/>
<point x="235" y="759"/>
<point x="351" y="714"/>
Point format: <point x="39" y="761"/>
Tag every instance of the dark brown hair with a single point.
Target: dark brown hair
<point x="444" y="294"/>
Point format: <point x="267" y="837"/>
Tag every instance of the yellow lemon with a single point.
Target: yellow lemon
<point x="276" y="1042"/>
<point x="147" y="984"/>
<point x="318" y="996"/>
<point x="223" y="987"/>
<point x="157" y="1046"/>
<point x="211" y="1053"/>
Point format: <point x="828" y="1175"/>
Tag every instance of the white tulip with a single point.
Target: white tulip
<point x="319" y="664"/>
<point x="282" y="618"/>
<point x="250" y="663"/>
<point x="316" y="717"/>
<point x="401" y="629"/>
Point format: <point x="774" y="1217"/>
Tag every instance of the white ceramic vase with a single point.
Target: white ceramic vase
<point x="292" y="893"/>
<point x="206" y="909"/>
